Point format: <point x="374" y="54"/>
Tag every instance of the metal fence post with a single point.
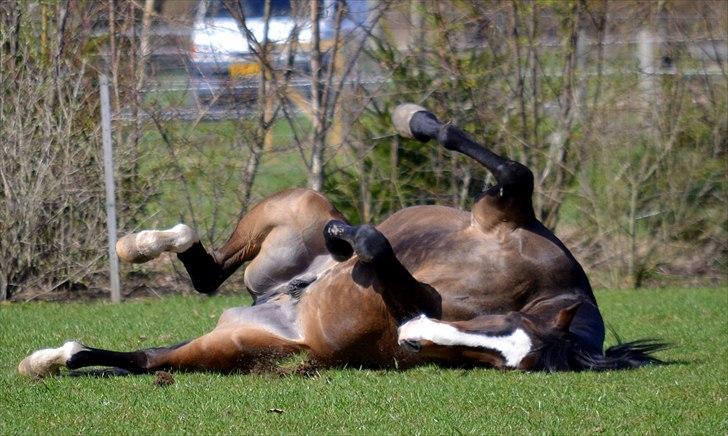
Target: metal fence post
<point x="109" y="182"/>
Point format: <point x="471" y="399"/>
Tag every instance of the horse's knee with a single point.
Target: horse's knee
<point x="371" y="245"/>
<point x="515" y="177"/>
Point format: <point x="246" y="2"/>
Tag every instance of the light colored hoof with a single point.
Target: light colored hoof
<point x="48" y="361"/>
<point x="401" y="118"/>
<point x="149" y="244"/>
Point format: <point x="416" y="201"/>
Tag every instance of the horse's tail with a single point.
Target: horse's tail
<point x="626" y="355"/>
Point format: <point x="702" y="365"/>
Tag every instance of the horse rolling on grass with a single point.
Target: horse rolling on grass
<point x="490" y="287"/>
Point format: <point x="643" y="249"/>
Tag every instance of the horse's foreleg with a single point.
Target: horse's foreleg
<point x="226" y="349"/>
<point x="510" y="200"/>
<point x="206" y="272"/>
<point x="414" y="121"/>
<point x="75" y="355"/>
<point x="404" y="295"/>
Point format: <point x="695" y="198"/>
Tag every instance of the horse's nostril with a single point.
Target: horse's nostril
<point x="413" y="346"/>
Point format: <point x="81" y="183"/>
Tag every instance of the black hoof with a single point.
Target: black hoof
<point x="333" y="235"/>
<point x="343" y="240"/>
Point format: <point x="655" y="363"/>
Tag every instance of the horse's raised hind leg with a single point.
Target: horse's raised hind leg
<point x="204" y="270"/>
<point x="288" y="223"/>
<point x="508" y="201"/>
<point x="223" y="350"/>
<point x="404" y="295"/>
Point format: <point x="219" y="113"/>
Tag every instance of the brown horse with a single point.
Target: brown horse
<point x="490" y="287"/>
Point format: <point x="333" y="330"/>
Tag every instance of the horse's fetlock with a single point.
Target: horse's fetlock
<point x="449" y="136"/>
<point x="75" y="361"/>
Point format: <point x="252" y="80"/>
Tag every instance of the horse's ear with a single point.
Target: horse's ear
<point x="565" y="316"/>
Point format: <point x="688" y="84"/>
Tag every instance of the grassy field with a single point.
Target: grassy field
<point x="688" y="397"/>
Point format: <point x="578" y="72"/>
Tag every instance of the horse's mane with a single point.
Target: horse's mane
<point x="563" y="353"/>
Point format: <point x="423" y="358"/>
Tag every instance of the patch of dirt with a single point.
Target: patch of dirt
<point x="163" y="378"/>
<point x="283" y="365"/>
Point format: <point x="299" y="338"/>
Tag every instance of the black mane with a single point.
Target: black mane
<point x="563" y="353"/>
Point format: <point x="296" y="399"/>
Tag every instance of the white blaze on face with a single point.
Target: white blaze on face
<point x="514" y="346"/>
<point x="49" y="360"/>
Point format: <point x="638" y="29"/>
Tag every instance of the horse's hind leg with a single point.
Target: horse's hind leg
<point x="404" y="295"/>
<point x="221" y="350"/>
<point x="292" y="218"/>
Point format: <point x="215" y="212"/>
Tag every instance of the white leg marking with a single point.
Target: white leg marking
<point x="184" y="237"/>
<point x="49" y="360"/>
<point x="177" y="239"/>
<point x="149" y="244"/>
<point x="513" y="347"/>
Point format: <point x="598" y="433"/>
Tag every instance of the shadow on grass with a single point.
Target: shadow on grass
<point x="99" y="372"/>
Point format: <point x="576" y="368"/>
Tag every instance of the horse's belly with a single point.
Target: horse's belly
<point x="278" y="318"/>
<point x="270" y="276"/>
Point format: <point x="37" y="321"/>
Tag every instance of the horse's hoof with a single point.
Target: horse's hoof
<point x="48" y="361"/>
<point x="149" y="244"/>
<point x="128" y="251"/>
<point x="401" y="117"/>
<point x="340" y="249"/>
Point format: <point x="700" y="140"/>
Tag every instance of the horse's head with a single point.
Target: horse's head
<point x="514" y="340"/>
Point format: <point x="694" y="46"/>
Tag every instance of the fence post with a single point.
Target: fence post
<point x="646" y="55"/>
<point x="109" y="182"/>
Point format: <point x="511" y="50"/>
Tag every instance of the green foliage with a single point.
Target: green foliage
<point x="197" y="174"/>
<point x="52" y="197"/>
<point x="686" y="397"/>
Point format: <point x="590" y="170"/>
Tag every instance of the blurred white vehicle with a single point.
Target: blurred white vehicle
<point x="221" y="62"/>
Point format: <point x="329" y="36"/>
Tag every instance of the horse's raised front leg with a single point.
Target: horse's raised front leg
<point x="509" y="200"/>
<point x="402" y="293"/>
<point x="281" y="235"/>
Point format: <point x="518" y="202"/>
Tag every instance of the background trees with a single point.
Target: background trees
<point x="619" y="107"/>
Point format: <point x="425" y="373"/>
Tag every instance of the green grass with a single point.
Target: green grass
<point x="690" y="397"/>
